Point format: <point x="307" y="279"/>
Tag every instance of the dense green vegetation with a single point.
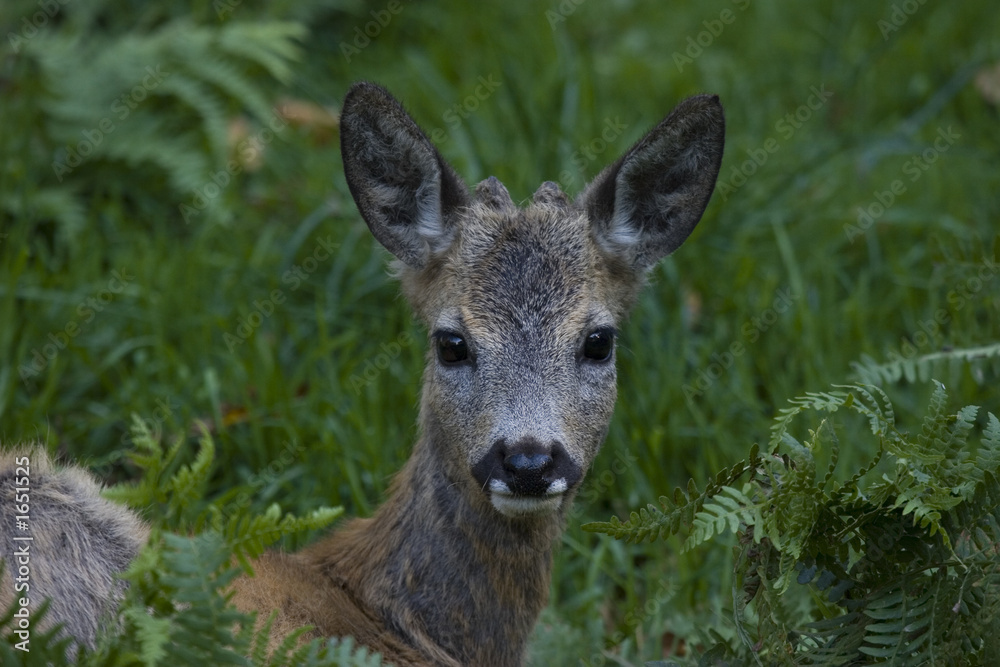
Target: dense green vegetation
<point x="177" y="241"/>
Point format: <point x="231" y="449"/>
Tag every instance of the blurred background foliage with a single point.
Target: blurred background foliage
<point x="177" y="240"/>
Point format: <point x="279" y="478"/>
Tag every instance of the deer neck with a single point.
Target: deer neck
<point x="446" y="571"/>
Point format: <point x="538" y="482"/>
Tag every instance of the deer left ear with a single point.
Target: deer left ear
<point x="645" y="205"/>
<point x="404" y="189"/>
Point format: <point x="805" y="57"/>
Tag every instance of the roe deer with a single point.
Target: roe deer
<point x="522" y="307"/>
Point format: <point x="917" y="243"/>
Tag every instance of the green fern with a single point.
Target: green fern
<point x="105" y="107"/>
<point x="334" y="653"/>
<point x="179" y="497"/>
<point x="727" y="509"/>
<point x="177" y="609"/>
<point x="920" y="368"/>
<point x="653" y="523"/>
<point x="988" y="456"/>
<point x="248" y="536"/>
<point x="177" y="612"/>
<point x="899" y="568"/>
<point x="147" y="454"/>
<point x="897" y="627"/>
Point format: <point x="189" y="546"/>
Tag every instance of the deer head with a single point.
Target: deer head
<point x="523" y="304"/>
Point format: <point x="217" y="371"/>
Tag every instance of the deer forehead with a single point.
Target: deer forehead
<point x="533" y="272"/>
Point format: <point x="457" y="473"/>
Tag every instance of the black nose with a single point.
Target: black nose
<point x="528" y="470"/>
<point x="523" y="462"/>
<point x="526" y="467"/>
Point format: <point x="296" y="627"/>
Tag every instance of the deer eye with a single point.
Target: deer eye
<point x="599" y="344"/>
<point x="451" y="348"/>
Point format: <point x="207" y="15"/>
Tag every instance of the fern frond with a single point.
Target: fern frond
<point x="988" y="456"/>
<point x="920" y="368"/>
<point x="187" y="486"/>
<point x="177" y="605"/>
<point x="210" y="108"/>
<point x="248" y="536"/>
<point x="344" y="653"/>
<point x="727" y="509"/>
<point x="826" y="428"/>
<point x="878" y="410"/>
<point x="653" y="523"/>
<point x="794" y="501"/>
<point x="151" y="633"/>
<point x="902" y="569"/>
<point x="228" y="78"/>
<point x="147" y="142"/>
<point x="820" y="401"/>
<point x="271" y="45"/>
<point x="160" y="101"/>
<point x="59" y="203"/>
<point x="147" y="454"/>
<point x="333" y="652"/>
<point x="834" y="641"/>
<point x="942" y="439"/>
<point x="976" y="523"/>
<point x="899" y="628"/>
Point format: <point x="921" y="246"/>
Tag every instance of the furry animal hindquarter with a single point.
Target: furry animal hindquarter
<point x="522" y="307"/>
<point x="60" y="539"/>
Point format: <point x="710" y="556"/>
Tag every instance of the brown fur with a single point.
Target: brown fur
<point x="522" y="306"/>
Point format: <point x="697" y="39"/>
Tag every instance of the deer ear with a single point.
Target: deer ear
<point x="646" y="204"/>
<point x="402" y="186"/>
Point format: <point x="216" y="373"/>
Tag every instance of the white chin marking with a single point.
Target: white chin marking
<point x="558" y="486"/>
<point x="525" y="505"/>
<point x="517" y="506"/>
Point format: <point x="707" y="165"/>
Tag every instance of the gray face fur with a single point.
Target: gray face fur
<point x="522" y="304"/>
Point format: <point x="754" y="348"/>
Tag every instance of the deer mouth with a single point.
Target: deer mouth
<point x="527" y="477"/>
<point x="512" y="504"/>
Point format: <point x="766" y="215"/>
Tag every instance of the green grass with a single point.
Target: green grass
<point x="295" y="417"/>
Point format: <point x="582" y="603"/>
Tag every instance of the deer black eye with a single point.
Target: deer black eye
<point x="451" y="348"/>
<point x="599" y="345"/>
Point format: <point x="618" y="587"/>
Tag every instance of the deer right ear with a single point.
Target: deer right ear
<point x="646" y="204"/>
<point x="402" y="186"/>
